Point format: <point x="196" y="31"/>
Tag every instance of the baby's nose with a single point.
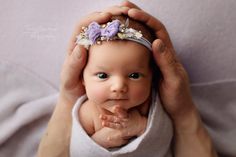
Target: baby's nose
<point x="119" y="85"/>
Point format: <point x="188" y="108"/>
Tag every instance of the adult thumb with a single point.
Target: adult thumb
<point x="73" y="66"/>
<point x="165" y="59"/>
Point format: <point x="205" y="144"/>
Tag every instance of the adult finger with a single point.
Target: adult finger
<point x="117" y="10"/>
<point x="100" y="17"/>
<point x="73" y="66"/>
<point x="166" y="60"/>
<point x="129" y="4"/>
<point x="153" y="23"/>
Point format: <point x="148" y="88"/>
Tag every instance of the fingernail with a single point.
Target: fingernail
<point x="77" y="52"/>
<point x="128" y="133"/>
<point x="103" y="117"/>
<point x="116" y="109"/>
<point x="102" y="13"/>
<point x="124" y="7"/>
<point x="125" y="119"/>
<point x="161" y="47"/>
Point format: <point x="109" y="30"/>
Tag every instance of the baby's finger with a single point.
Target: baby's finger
<point x="100" y="17"/>
<point x="112" y="125"/>
<point x="111" y="118"/>
<point x="120" y="112"/>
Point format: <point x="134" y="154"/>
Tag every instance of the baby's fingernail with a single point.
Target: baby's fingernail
<point x="161" y="47"/>
<point x="123" y="125"/>
<point x="125" y="119"/>
<point x="128" y="133"/>
<point x="103" y="117"/>
<point x="116" y="109"/>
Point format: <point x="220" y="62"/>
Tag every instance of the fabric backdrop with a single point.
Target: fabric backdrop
<point x="33" y="40"/>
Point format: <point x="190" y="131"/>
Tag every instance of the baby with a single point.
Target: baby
<point x="118" y="80"/>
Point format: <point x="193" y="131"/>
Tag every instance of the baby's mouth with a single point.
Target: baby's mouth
<point x="114" y="101"/>
<point x="117" y="100"/>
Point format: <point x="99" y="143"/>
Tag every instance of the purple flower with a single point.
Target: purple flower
<point x="93" y="31"/>
<point x="111" y="29"/>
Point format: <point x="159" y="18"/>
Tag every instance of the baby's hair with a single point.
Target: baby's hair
<point x="146" y="31"/>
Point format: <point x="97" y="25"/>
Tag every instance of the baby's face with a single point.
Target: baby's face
<point x="118" y="73"/>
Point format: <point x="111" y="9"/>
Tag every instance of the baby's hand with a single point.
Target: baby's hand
<point x="109" y="138"/>
<point x="130" y="124"/>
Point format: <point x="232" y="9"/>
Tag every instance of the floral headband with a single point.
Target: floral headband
<point x="114" y="30"/>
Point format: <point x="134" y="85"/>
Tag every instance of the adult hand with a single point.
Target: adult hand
<point x="71" y="84"/>
<point x="56" y="140"/>
<point x="174" y="85"/>
<point x="191" y="138"/>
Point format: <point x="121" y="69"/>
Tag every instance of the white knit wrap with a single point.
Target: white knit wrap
<point x="154" y="142"/>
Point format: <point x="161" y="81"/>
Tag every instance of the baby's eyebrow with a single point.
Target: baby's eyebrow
<point x="141" y="66"/>
<point x="101" y="67"/>
<point x="132" y="68"/>
<point x="138" y="66"/>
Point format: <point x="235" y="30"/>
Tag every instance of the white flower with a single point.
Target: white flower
<point x="82" y="40"/>
<point x="138" y="35"/>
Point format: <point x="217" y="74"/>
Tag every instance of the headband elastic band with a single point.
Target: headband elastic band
<point x="114" y="30"/>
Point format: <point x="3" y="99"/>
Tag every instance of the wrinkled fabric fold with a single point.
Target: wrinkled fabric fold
<point x="154" y="142"/>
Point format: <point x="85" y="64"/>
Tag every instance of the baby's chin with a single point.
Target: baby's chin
<point x="111" y="106"/>
<point x="105" y="109"/>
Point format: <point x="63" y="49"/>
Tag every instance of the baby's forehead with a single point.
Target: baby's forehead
<point x="127" y="54"/>
<point x="120" y="45"/>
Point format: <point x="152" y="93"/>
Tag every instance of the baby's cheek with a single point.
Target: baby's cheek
<point x="141" y="94"/>
<point x="96" y="94"/>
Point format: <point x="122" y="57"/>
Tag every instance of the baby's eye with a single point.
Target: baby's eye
<point x="135" y="75"/>
<point x="102" y="75"/>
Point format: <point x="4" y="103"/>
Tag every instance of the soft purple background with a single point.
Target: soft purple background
<point x="34" y="33"/>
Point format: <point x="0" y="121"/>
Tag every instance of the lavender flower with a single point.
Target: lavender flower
<point x="93" y="31"/>
<point x="111" y="29"/>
